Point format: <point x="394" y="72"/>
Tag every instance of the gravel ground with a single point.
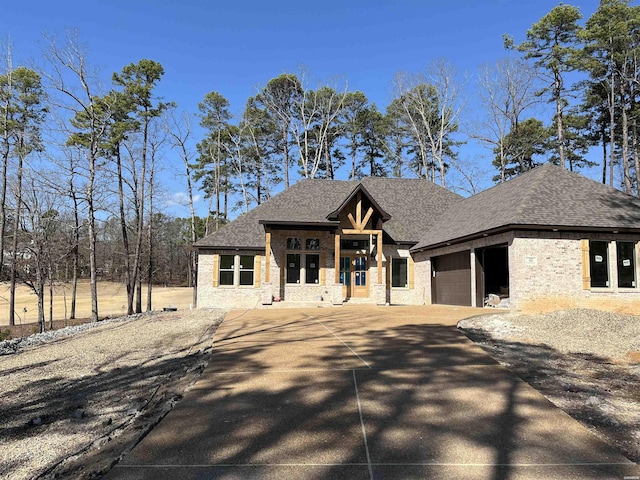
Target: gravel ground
<point x="587" y="362"/>
<point x="76" y="399"/>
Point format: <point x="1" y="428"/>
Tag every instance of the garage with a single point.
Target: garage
<point x="451" y="279"/>
<point x="492" y="273"/>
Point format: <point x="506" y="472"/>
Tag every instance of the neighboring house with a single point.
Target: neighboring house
<point x="548" y="236"/>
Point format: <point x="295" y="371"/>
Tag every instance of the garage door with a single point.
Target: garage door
<point x="451" y="279"/>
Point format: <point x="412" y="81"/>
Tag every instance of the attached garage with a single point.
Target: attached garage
<point x="451" y="279"/>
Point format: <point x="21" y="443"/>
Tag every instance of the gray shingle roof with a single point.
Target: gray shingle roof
<point x="413" y="205"/>
<point x="547" y="196"/>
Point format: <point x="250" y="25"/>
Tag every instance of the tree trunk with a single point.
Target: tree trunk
<point x="150" y="266"/>
<point x="559" y="118"/>
<point x="604" y="154"/>
<point x="193" y="265"/>
<point x="625" y="139"/>
<point x="3" y="201"/>
<point x="285" y="153"/>
<point x="125" y="235"/>
<point x="14" y="249"/>
<point x="150" y="234"/>
<point x="93" y="240"/>
<point x="75" y="256"/>
<point x="5" y="165"/>
<point x="50" y="278"/>
<point x="140" y="217"/>
<point x="612" y="126"/>
<point x="40" y="294"/>
<point x="218" y="181"/>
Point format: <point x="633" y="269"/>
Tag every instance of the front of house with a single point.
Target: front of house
<point x="549" y="238"/>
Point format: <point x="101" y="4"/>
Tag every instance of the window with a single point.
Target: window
<point x="345" y="271"/>
<point x="294" y="244"/>
<point x="246" y="269"/>
<point x="293" y="268"/>
<point x="625" y="254"/>
<point x="237" y="270"/>
<point x="312" y="269"/>
<point x="313" y="244"/>
<point x="354" y="244"/>
<point x="599" y="263"/>
<point x="226" y="270"/>
<point x="360" y="269"/>
<point x="399" y="272"/>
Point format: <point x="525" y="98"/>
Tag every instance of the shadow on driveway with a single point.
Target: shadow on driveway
<point x="314" y="398"/>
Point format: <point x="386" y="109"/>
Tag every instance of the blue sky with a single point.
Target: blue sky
<point x="235" y="47"/>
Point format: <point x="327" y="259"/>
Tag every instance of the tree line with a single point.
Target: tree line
<point x="81" y="192"/>
<point x="582" y="76"/>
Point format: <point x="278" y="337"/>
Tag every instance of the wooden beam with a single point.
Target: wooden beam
<point x="359" y="211"/>
<point x="366" y="218"/>
<point x="336" y="263"/>
<point x="267" y="258"/>
<point x="351" y="231"/>
<point x="353" y="221"/>
<point x="379" y="259"/>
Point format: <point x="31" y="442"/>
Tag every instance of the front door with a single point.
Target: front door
<point x="354" y="275"/>
<point x="360" y="273"/>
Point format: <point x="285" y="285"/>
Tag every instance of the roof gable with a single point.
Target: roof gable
<point x="359" y="189"/>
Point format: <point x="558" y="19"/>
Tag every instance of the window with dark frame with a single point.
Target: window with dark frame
<point x="226" y="270"/>
<point x="293" y="268"/>
<point x="399" y="272"/>
<point x="626" y="260"/>
<point x="294" y="243"/>
<point x="599" y="263"/>
<point x="349" y="244"/>
<point x="312" y="244"/>
<point x="246" y="269"/>
<point x="312" y="269"/>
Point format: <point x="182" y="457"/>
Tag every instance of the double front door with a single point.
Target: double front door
<point x="354" y="275"/>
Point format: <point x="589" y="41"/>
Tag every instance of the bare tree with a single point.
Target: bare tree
<point x="315" y="115"/>
<point x="78" y="99"/>
<point x="64" y="183"/>
<point x="506" y="91"/>
<point x="38" y="227"/>
<point x="6" y="101"/>
<point x="279" y="97"/>
<point x="429" y="107"/>
<point x="157" y="137"/>
<point x="179" y="132"/>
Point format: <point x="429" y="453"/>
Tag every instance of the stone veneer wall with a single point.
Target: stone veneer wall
<point x="545" y="271"/>
<point x="405" y="295"/>
<point x="301" y="292"/>
<point x="250" y="297"/>
<point x="225" y="297"/>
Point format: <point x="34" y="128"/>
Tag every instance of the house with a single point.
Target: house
<point x="548" y="237"/>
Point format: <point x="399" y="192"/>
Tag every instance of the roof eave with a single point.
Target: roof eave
<point x="515" y="226"/>
<point x="285" y="223"/>
<point x="227" y="247"/>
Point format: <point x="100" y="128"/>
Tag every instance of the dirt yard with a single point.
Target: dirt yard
<point x="111" y="303"/>
<point x="586" y="362"/>
<point x="70" y="407"/>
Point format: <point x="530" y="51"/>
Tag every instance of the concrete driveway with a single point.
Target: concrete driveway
<point x="363" y="393"/>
